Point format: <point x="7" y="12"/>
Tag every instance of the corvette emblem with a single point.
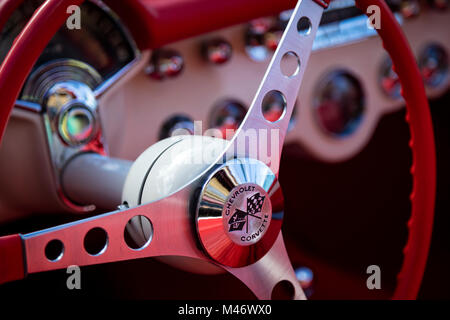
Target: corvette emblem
<point x="240" y="218"/>
<point x="247" y="214"/>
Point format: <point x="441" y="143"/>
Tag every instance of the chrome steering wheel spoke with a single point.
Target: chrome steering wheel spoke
<point x="270" y="112"/>
<point x="272" y="276"/>
<point x="171" y="234"/>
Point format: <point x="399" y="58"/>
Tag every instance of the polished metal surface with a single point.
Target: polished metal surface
<point x="227" y="115"/>
<point x="240" y="212"/>
<point x="217" y="51"/>
<point x="305" y="276"/>
<point x="433" y="64"/>
<point x="172" y="236"/>
<point x="264" y="275"/>
<point x="165" y="64"/>
<point x="339" y="104"/>
<point x="271" y="135"/>
<point x="177" y="124"/>
<point x="388" y="79"/>
<point x="95" y="179"/>
<point x="73" y="126"/>
<point x="77" y="125"/>
<point x="262" y="38"/>
<point x="49" y="74"/>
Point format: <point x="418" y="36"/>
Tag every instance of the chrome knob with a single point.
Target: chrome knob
<point x="72" y="110"/>
<point x="165" y="63"/>
<point x="262" y="37"/>
<point x="410" y="8"/>
<point x="389" y="81"/>
<point x="433" y="64"/>
<point x="227" y="116"/>
<point x="217" y="51"/>
<point x="176" y="125"/>
<point x="306" y="278"/>
<point x="77" y="124"/>
<point x="339" y="104"/>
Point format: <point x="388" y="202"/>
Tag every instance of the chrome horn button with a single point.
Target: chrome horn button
<point x="239" y="212"/>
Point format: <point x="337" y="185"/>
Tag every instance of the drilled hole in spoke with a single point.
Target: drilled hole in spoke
<point x="96" y="241"/>
<point x="304" y="26"/>
<point x="290" y="64"/>
<point x="138" y="232"/>
<point x="274" y="106"/>
<point x="54" y="250"/>
<point x="283" y="290"/>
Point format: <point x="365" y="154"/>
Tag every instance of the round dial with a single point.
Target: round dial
<point x="100" y="42"/>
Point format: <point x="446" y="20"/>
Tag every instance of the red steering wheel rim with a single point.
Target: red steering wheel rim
<point x="52" y="14"/>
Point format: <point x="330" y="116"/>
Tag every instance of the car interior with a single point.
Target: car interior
<point x="240" y="149"/>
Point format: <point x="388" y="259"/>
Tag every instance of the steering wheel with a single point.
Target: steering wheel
<point x="226" y="210"/>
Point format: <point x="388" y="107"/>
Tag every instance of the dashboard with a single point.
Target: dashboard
<point x="345" y="49"/>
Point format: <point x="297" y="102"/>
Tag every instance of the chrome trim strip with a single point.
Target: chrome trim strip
<point x="105" y="85"/>
<point x="345" y="32"/>
<point x="28" y="106"/>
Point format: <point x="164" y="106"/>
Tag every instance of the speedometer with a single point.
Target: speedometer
<point x="101" y="42"/>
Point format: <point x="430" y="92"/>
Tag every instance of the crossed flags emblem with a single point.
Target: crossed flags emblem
<point x="240" y="218"/>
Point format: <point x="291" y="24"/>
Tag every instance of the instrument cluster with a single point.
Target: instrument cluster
<point x="350" y="82"/>
<point x="101" y="45"/>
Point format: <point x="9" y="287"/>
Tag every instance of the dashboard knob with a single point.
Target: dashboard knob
<point x="165" y="63"/>
<point x="181" y="123"/>
<point x="339" y="104"/>
<point x="389" y="81"/>
<point x="305" y="276"/>
<point x="433" y="64"/>
<point x="76" y="124"/>
<point x="410" y="8"/>
<point x="217" y="51"/>
<point x="227" y="115"/>
<point x="262" y="37"/>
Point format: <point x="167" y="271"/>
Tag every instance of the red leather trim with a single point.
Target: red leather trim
<point x="20" y="59"/>
<point x="423" y="148"/>
<point x="155" y="23"/>
<point x="11" y="258"/>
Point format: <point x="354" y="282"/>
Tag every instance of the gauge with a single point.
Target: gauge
<point x="227" y="115"/>
<point x="388" y="79"/>
<point x="339" y="104"/>
<point x="433" y="63"/>
<point x="101" y="42"/>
